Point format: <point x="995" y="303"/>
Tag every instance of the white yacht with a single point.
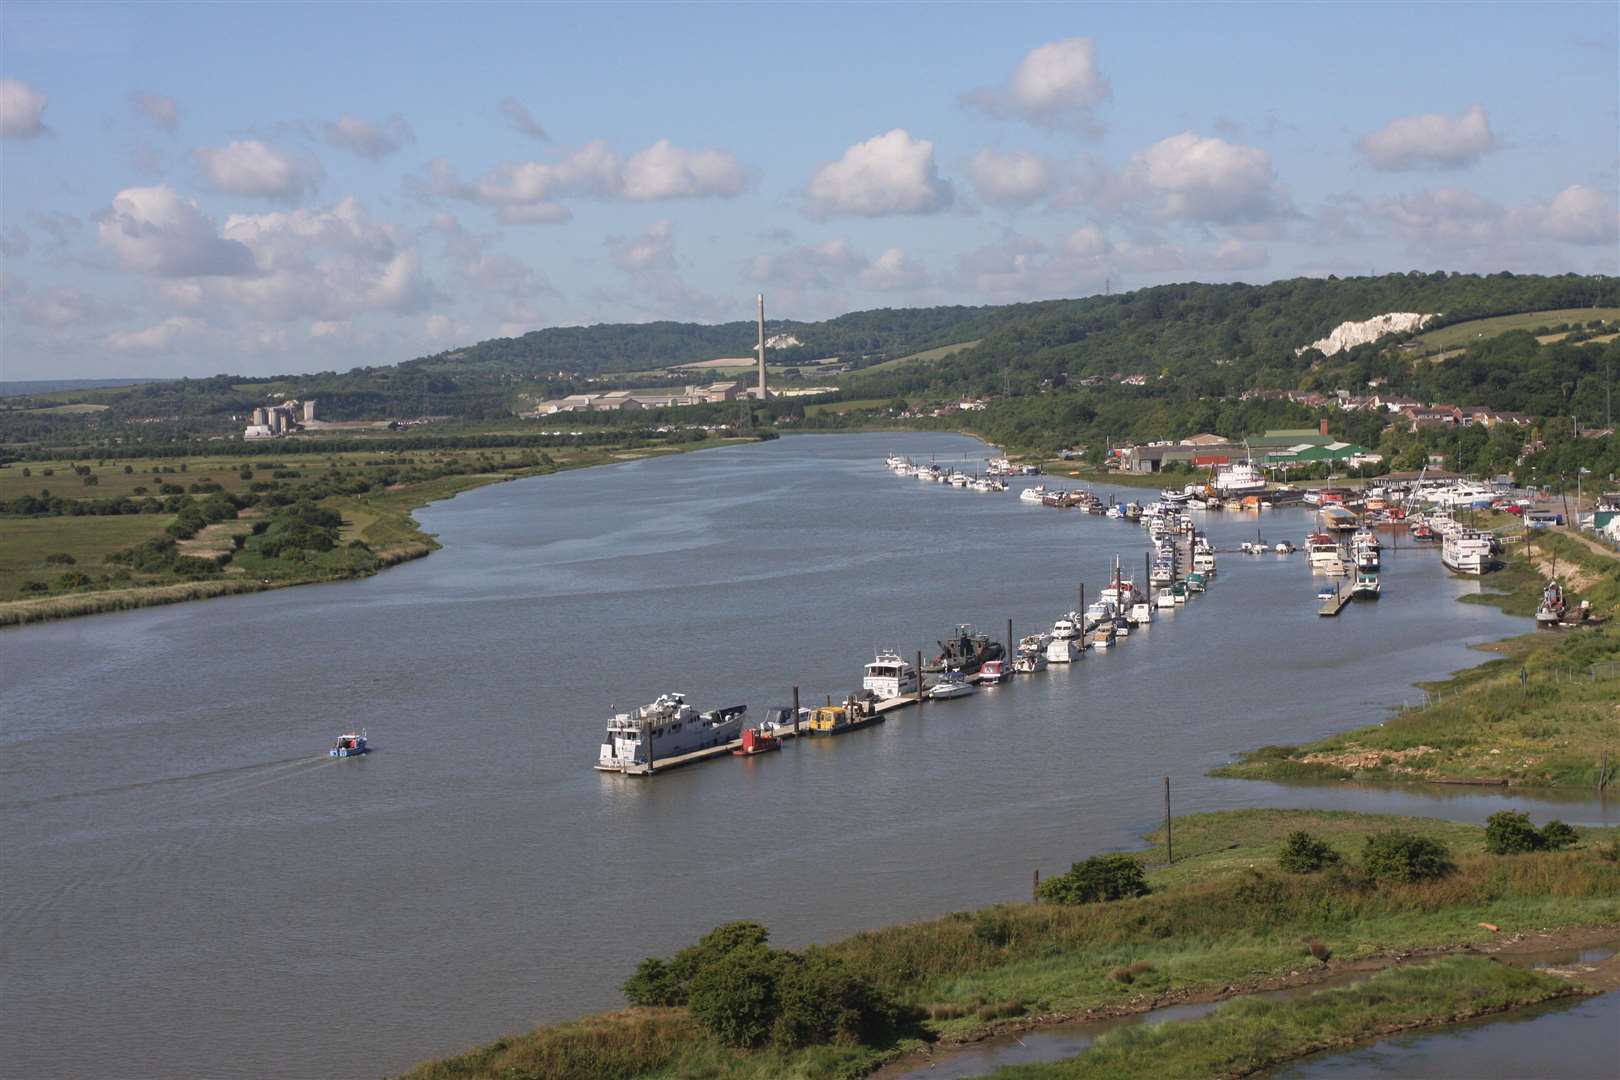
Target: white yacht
<point x="1032" y="654"/>
<point x="1032" y="494"/>
<point x="1466" y="551"/>
<point x="1239" y="479"/>
<point x="668" y="727"/>
<point x="890" y="676"/>
<point x="1141" y="613"/>
<point x="951" y="684"/>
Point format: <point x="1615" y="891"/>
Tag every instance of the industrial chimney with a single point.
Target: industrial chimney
<point x="762" y="346"/>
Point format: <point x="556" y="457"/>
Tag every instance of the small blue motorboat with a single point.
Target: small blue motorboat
<point x="350" y="745"/>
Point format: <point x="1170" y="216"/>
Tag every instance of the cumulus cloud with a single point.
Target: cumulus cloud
<point x="1208" y="180"/>
<point x="58" y="307"/>
<point x="656" y="287"/>
<point x="22" y="110"/>
<point x="492" y="273"/>
<point x="1014" y="179"/>
<point x="1576" y="215"/>
<point x="828" y="265"/>
<point x="369" y="140"/>
<point x="652" y="250"/>
<point x="155" y="231"/>
<point x="160" y="110"/>
<point x="887" y="174"/>
<point x="1056" y="85"/>
<point x="527" y="192"/>
<point x="329" y="263"/>
<point x="894" y="271"/>
<point x="249" y="167"/>
<point x="521" y="120"/>
<point x="1429" y="141"/>
<point x="666" y="171"/>
<point x="1448" y="217"/>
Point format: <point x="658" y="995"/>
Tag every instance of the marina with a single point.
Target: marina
<point x="727" y="575"/>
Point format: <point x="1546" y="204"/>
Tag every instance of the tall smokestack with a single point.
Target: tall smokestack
<point x="762" y="346"/>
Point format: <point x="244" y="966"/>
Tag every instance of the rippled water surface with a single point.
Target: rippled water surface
<point x="192" y="888"/>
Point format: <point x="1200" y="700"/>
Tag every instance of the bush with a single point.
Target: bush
<point x="60" y="558"/>
<point x="30" y="587"/>
<point x="1555" y="835"/>
<point x="1404" y="856"/>
<point x="734" y="996"/>
<point x="819" y="1000"/>
<point x="1101" y="877"/>
<point x="1508" y="832"/>
<point x="1303" y="853"/>
<point x="653" y="984"/>
<point x="73" y="579"/>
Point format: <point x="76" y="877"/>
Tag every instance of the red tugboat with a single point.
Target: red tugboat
<point x="350" y="745"/>
<point x="756" y="740"/>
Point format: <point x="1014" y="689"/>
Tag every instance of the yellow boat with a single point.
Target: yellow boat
<point x="837" y="719"/>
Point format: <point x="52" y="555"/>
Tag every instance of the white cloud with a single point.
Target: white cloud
<point x="59" y="307"/>
<point x="60" y="227"/>
<point x="527" y="192"/>
<point x="653" y="250"/>
<point x="1429" y="140"/>
<point x="1086" y="240"/>
<point x="1446" y="217"/>
<point x="826" y="266"/>
<point x="894" y="271"/>
<point x="157" y="338"/>
<point x="887" y="174"/>
<point x="656" y="288"/>
<point x="249" y="167"/>
<point x="1576" y="215"/>
<point x="1234" y="254"/>
<point x="370" y="141"/>
<point x="1208" y="180"/>
<point x="666" y="171"/>
<point x="1014" y="179"/>
<point x="1056" y="85"/>
<point x="160" y="110"/>
<point x="155" y="231"/>
<point x="22" y="110"/>
<point x="521" y="120"/>
<point x="328" y="263"/>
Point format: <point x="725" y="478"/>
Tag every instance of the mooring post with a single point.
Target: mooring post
<point x="795" y="712"/>
<point x="1010" y="653"/>
<point x="1169" y="842"/>
<point x="1035" y="892"/>
<point x="919" y="679"/>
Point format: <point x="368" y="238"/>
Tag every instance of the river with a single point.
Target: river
<point x="193" y="888"/>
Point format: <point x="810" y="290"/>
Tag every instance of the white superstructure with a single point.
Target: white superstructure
<point x="890" y="676"/>
<point x="667" y="727"/>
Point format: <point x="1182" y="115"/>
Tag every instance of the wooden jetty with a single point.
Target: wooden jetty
<point x="1335" y="603"/>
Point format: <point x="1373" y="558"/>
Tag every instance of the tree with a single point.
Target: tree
<point x="734" y="996"/>
<point x="1303" y="853"/>
<point x="1405" y="857"/>
<point x="1101" y="877"/>
<point x="1508" y="833"/>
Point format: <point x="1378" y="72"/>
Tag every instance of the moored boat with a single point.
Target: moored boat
<point x="965" y="650"/>
<point x="1366" y="586"/>
<point x="890" y="676"/>
<point x="951" y="684"/>
<point x="666" y="728"/>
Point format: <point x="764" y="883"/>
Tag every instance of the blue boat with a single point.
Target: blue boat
<point x="350" y="745"/>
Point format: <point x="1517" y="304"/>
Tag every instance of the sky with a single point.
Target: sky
<point x="263" y="189"/>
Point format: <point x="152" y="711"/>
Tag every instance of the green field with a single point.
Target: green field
<point x="25" y="542"/>
<point x="1465" y="333"/>
<point x="925" y="357"/>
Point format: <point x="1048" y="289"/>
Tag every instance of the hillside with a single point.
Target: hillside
<point x="1210" y="341"/>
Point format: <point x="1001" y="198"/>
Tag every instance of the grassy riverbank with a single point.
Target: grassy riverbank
<point x="75" y="559"/>
<point x="1246" y="1036"/>
<point x="1545" y="712"/>
<point x="1220" y="921"/>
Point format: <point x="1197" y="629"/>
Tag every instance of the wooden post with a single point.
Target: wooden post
<point x="795" y="712"/>
<point x="1147" y="573"/>
<point x="1010" y="649"/>
<point x="1035" y="892"/>
<point x="919" y="678"/>
<point x="1169" y="843"/>
<point x="649" y="730"/>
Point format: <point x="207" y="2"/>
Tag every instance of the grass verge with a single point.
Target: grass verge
<point x="1221" y="920"/>
<point x="1246" y="1036"/>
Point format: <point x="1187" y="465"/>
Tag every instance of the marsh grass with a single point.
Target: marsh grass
<point x="1251" y="1034"/>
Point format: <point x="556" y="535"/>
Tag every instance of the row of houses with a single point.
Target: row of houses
<point x="1416" y="413"/>
<point x="643" y="399"/>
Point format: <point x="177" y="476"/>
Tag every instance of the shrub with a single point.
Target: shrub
<point x="60" y="558"/>
<point x="819" y="1000"/>
<point x="1555" y="835"/>
<point x="29" y="587"/>
<point x="1303" y="853"/>
<point x="73" y="579"/>
<point x="1101" y="877"/>
<point x="734" y="996"/>
<point x="653" y="984"/>
<point x="1508" y="832"/>
<point x="1404" y="856"/>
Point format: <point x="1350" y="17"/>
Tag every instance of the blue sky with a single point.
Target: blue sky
<point x="190" y="189"/>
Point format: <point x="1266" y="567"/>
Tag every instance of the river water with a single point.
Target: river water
<point x="192" y="888"/>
